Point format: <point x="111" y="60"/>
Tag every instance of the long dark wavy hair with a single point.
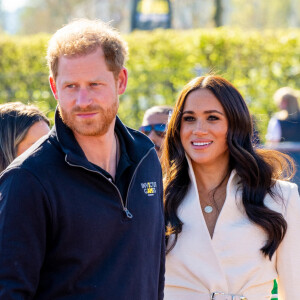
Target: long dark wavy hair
<point x="258" y="169"/>
<point x="16" y="119"/>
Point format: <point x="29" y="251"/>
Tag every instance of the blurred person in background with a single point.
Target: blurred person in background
<point x="154" y="125"/>
<point x="284" y="126"/>
<point x="20" y="127"/>
<point x="255" y="134"/>
<point x="233" y="225"/>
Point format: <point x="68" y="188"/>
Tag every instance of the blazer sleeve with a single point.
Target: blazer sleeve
<point x="288" y="253"/>
<point x="23" y="226"/>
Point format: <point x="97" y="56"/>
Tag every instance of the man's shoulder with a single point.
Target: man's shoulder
<point x="137" y="144"/>
<point x="133" y="135"/>
<point x="143" y="148"/>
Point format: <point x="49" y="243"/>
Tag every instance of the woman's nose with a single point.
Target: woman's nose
<point x="200" y="128"/>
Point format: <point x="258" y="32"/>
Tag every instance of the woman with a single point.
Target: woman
<point x="20" y="126"/>
<point x="284" y="126"/>
<point x="232" y="225"/>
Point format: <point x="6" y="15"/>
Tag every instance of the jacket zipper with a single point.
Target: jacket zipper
<point x="125" y="209"/>
<point x="127" y="212"/>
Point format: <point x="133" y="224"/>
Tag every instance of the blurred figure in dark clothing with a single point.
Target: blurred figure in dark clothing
<point x="284" y="126"/>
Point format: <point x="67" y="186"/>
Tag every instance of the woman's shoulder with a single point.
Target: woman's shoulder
<point x="284" y="185"/>
<point x="281" y="115"/>
<point x="284" y="195"/>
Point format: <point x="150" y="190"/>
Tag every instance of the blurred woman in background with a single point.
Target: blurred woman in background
<point x="233" y="225"/>
<point x="20" y="126"/>
<point x="284" y="126"/>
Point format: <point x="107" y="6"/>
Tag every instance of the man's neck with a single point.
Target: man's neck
<point x="100" y="150"/>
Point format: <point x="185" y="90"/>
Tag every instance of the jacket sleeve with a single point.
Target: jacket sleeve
<point x="23" y="219"/>
<point x="162" y="271"/>
<point x="162" y="259"/>
<point x="288" y="253"/>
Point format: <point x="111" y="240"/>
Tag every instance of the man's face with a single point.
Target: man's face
<point x="87" y="93"/>
<point x="153" y="119"/>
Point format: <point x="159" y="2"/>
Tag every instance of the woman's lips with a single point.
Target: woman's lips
<point x="201" y="145"/>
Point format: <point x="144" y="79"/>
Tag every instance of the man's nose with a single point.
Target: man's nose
<point x="152" y="135"/>
<point x="83" y="98"/>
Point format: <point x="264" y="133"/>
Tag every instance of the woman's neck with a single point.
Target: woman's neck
<point x="208" y="178"/>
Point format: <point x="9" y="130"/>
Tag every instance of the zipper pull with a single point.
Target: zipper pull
<point x="128" y="213"/>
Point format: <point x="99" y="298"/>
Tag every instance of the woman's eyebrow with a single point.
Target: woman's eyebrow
<point x="206" y="112"/>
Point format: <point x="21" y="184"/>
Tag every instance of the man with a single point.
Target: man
<point x="154" y="125"/>
<point x="81" y="212"/>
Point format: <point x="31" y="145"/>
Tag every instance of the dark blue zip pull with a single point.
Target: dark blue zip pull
<point x="128" y="213"/>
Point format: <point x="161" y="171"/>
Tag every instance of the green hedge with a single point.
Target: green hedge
<point x="24" y="73"/>
<point x="161" y="62"/>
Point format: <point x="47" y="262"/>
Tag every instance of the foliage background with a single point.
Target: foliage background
<point x="161" y="62"/>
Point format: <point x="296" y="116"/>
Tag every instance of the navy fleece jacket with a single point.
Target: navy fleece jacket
<point x="66" y="233"/>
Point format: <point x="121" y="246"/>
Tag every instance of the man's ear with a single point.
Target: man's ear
<point x="122" y="81"/>
<point x="53" y="87"/>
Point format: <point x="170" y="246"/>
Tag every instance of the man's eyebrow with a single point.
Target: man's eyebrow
<point x="67" y="82"/>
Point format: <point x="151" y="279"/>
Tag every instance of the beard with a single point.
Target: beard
<point x="95" y="126"/>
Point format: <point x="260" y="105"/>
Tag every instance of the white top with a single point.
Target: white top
<point x="274" y="130"/>
<point x="231" y="262"/>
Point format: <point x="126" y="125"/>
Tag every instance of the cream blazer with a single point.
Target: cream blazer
<point x="231" y="262"/>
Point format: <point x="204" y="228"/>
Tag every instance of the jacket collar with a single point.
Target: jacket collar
<point x="136" y="143"/>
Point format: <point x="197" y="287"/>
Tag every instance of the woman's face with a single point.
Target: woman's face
<point x="203" y="130"/>
<point x="36" y="131"/>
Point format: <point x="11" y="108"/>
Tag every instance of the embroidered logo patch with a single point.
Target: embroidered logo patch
<point x="149" y="188"/>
